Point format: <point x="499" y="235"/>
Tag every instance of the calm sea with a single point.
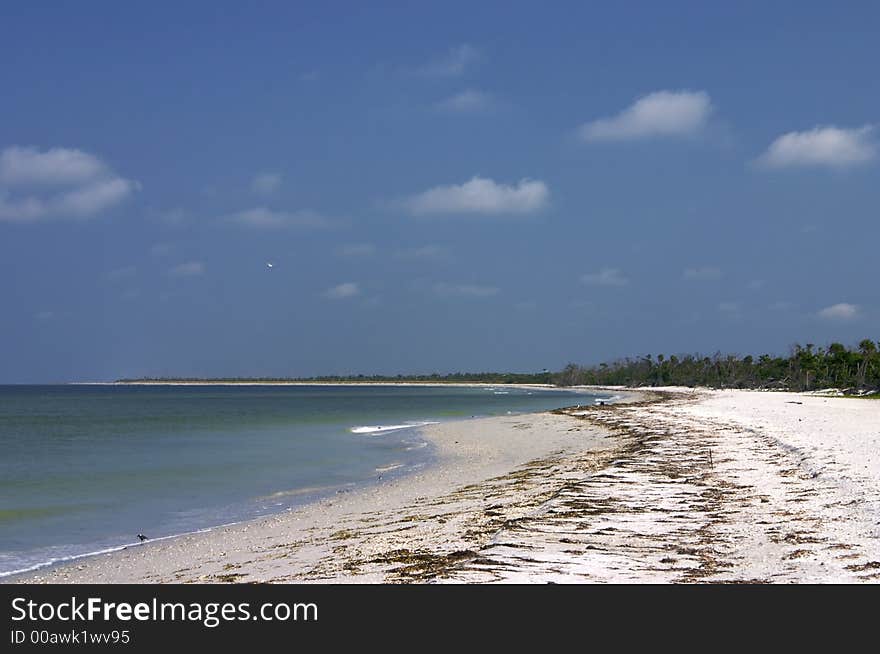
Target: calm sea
<point x="84" y="469"/>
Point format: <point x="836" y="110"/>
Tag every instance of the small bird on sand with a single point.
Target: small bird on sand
<point x="142" y="538"/>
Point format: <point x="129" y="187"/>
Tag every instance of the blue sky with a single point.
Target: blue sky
<point x="507" y="186"/>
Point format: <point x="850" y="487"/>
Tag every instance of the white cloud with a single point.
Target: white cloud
<point x="95" y="197"/>
<point x="703" y="274"/>
<point x="188" y="269"/>
<point x="841" y="311"/>
<point x="27" y="165"/>
<point x="357" y="250"/>
<point x="464" y="290"/>
<point x="481" y="195"/>
<point x="266" y="183"/>
<point x="836" y="147"/>
<point x="268" y="218"/>
<point x="606" y="277"/>
<point x="57" y="183"/>
<point x="662" y="113"/>
<point x="466" y="102"/>
<point x="453" y="63"/>
<point x="342" y="291"/>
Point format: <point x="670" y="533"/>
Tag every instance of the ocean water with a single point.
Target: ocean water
<point x="84" y="469"/>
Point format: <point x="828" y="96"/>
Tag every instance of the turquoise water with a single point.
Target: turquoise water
<point x="86" y="468"/>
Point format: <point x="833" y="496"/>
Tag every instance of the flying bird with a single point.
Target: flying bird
<point x="269" y="265"/>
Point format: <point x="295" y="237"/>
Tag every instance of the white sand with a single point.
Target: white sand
<point x="704" y="486"/>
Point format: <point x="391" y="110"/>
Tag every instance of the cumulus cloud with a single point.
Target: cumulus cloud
<point x="188" y="269"/>
<point x="342" y="291"/>
<point x="28" y="165"/>
<point x="481" y="195"/>
<point x="466" y="102"/>
<point x="662" y="113"/>
<point x="357" y="250"/>
<point x="268" y="218"/>
<point x="606" y="277"/>
<point x="830" y="146"/>
<point x="842" y="311"/>
<point x="58" y="182"/>
<point x="453" y="63"/>
<point x="464" y="290"/>
<point x="705" y="273"/>
<point x="266" y="183"/>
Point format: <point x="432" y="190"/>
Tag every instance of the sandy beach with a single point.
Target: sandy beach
<point x="676" y="485"/>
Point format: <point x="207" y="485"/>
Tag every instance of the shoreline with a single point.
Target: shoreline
<point x="545" y="387"/>
<point x="674" y="486"/>
<point x="394" y="476"/>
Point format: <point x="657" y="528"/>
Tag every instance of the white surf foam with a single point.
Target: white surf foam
<point x="379" y="429"/>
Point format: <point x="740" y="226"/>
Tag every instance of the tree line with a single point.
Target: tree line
<point x="807" y="367"/>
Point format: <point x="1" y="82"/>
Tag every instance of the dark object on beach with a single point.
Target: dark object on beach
<point x="601" y="403"/>
<point x="793" y="402"/>
<point x="142" y="538"/>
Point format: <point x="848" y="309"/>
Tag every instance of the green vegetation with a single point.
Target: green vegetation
<point x="545" y="377"/>
<point x="806" y="368"/>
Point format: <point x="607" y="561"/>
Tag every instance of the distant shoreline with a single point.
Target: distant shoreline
<point x="341" y="383"/>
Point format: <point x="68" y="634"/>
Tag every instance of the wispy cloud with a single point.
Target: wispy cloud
<point x="188" y="269"/>
<point x="662" y="113"/>
<point x="481" y="195"/>
<point x="606" y="277"/>
<point x="840" y="312"/>
<point x="464" y="290"/>
<point x="453" y="63"/>
<point x="266" y="183"/>
<point x="706" y="273"/>
<point x="470" y="101"/>
<point x="342" y="291"/>
<point x="57" y="183"/>
<point x="356" y="250"/>
<point x="268" y="218"/>
<point x="829" y="146"/>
